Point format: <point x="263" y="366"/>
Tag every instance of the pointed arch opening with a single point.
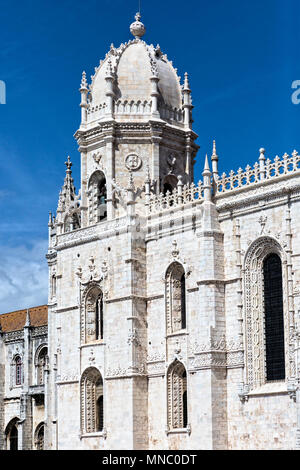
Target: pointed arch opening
<point x="177" y="396"/>
<point x="266" y="319"/>
<point x="175" y="298"/>
<point x="72" y="221"/>
<point x="39" y="437"/>
<point x="92" y="405"/>
<point x="11" y="435"/>
<point x="40" y="363"/>
<point x="97" y="195"/>
<point x="94" y="321"/>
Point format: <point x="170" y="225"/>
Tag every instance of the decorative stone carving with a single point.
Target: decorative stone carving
<point x="133" y="162"/>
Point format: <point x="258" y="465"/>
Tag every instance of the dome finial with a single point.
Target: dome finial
<point x="137" y="28"/>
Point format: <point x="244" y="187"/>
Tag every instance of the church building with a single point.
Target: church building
<point x="173" y="309"/>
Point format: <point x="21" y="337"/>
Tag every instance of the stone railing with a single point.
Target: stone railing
<point x="169" y="113"/>
<point x="264" y="170"/>
<point x="96" y="111"/>
<point x="180" y="196"/>
<point x="132" y="107"/>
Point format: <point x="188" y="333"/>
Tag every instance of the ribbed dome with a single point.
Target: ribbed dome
<point x="132" y="65"/>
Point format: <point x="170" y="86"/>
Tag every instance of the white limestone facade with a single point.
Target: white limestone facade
<point x="162" y="320"/>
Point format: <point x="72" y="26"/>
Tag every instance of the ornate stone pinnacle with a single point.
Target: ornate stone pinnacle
<point x="206" y="166"/>
<point x="214" y="152"/>
<point x="109" y="70"/>
<point x="186" y="81"/>
<point x="83" y="84"/>
<point x="68" y="164"/>
<point x="137" y="28"/>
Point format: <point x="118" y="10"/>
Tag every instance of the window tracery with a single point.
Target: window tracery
<point x="39" y="437"/>
<point x="175" y="298"/>
<point x="92" y="412"/>
<point x="94" y="315"/>
<point x="18" y="370"/>
<point x="177" y="396"/>
<point x="40" y="365"/>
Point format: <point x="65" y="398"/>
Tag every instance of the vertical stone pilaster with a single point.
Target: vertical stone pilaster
<point x="110" y="159"/>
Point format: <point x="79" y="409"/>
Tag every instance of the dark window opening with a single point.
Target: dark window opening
<point x="183" y="310"/>
<point x="184" y="409"/>
<point x="18" y="371"/>
<point x="99" y="318"/>
<point x="167" y="188"/>
<point x="274" y="325"/>
<point x="13" y="439"/>
<point x="100" y="413"/>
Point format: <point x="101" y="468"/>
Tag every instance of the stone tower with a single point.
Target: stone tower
<point x="136" y="141"/>
<point x="158" y="288"/>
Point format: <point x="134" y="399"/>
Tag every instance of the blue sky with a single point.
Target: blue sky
<point x="242" y="58"/>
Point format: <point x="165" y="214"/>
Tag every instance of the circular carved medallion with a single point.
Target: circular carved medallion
<point x="133" y="162"/>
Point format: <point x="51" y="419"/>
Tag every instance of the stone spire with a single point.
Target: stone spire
<point x="207" y="180"/>
<point x="67" y="193"/>
<point x="83" y="92"/>
<point x="214" y="162"/>
<point x="187" y="102"/>
<point x="137" y="28"/>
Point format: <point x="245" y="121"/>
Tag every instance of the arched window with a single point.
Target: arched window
<point x="274" y="326"/>
<point x="94" y="315"/>
<point x="72" y="222"/>
<point x="97" y="197"/>
<point x="92" y="411"/>
<point x="39" y="437"/>
<point x="175" y="298"/>
<point x="266" y="319"/>
<point x="18" y="370"/>
<point x="11" y="435"/>
<point x="53" y="285"/>
<point x="40" y="365"/>
<point x="177" y="396"/>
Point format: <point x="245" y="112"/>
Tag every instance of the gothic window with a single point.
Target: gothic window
<point x="94" y="315"/>
<point x="72" y="222"/>
<point x="40" y="365"/>
<point x="11" y="435"/>
<point x="274" y="327"/>
<point x="266" y="321"/>
<point x="177" y="396"/>
<point x="39" y="437"/>
<point x="53" y="285"/>
<point x="18" y="370"/>
<point x="92" y="411"/>
<point x="97" y="197"/>
<point x="175" y="298"/>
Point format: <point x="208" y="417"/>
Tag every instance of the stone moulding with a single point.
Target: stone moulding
<point x="268" y="191"/>
<point x="216" y="353"/>
<point x="94" y="233"/>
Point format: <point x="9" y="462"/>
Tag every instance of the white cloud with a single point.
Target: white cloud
<point x="23" y="276"/>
